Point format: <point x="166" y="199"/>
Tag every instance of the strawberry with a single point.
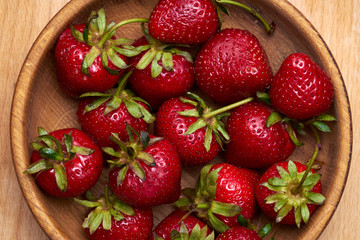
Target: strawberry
<point x="239" y="233"/>
<point x="65" y="162"/>
<point x="301" y="89"/>
<point x="222" y="192"/>
<point x="102" y="114"/>
<point x="289" y="192"/>
<point x="190" y="21"/>
<point x="146" y="170"/>
<point x="182" y="222"/>
<point x="252" y="143"/>
<point x="112" y="219"/>
<point x="83" y="52"/>
<point x="170" y="74"/>
<point x="231" y="66"/>
<point x="194" y="128"/>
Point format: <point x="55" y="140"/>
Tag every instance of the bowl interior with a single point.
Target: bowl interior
<point x="38" y="101"/>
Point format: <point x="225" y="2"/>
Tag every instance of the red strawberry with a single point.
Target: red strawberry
<point x="301" y="89"/>
<point x="239" y="233"/>
<point x="109" y="113"/>
<point x="192" y="127"/>
<point x="190" y="21"/>
<point x="82" y="56"/>
<point x="231" y="66"/>
<point x="170" y="74"/>
<point x="114" y="220"/>
<point x="146" y="171"/>
<point x="252" y="144"/>
<point x="222" y="192"/>
<point x="65" y="162"/>
<point x="180" y="221"/>
<point x="289" y="192"/>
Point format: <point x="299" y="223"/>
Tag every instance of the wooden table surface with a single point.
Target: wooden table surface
<point x="22" y="20"/>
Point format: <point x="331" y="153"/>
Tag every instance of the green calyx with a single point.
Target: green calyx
<point x="197" y="233"/>
<point x="105" y="208"/>
<point x="209" y="118"/>
<point x="54" y="156"/>
<point x="130" y="153"/>
<point x="201" y="200"/>
<point x="293" y="190"/>
<point x="220" y="6"/>
<point x="156" y="52"/>
<point x="121" y="95"/>
<point x="99" y="37"/>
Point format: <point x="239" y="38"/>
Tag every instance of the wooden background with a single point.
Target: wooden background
<point x="22" y="21"/>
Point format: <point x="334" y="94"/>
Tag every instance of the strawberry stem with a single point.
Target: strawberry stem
<point x="227" y="108"/>
<point x="122" y="83"/>
<point x="268" y="27"/>
<point x="111" y="31"/>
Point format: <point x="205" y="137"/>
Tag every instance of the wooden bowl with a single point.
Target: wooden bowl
<point x="38" y="101"/>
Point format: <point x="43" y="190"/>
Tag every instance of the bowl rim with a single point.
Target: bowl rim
<point x="49" y="34"/>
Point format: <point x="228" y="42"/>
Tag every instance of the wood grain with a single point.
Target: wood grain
<point x="338" y="30"/>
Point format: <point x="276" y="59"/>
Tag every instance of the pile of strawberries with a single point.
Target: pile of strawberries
<point x="161" y="80"/>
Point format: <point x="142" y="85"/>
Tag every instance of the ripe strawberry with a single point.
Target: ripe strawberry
<point x="301" y="89"/>
<point x="109" y="112"/>
<point x="146" y="171"/>
<point x="289" y="192"/>
<point x="239" y="233"/>
<point x="194" y="128"/>
<point x="252" y="144"/>
<point x="112" y="219"/>
<point x="182" y="222"/>
<point x="222" y="192"/>
<point x="170" y="74"/>
<point x="88" y="57"/>
<point x="190" y="21"/>
<point x="65" y="162"/>
<point x="231" y="66"/>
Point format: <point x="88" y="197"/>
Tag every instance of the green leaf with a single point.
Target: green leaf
<point x="305" y="213"/>
<point x="128" y="52"/>
<point x="225" y="209"/>
<point x="263" y="96"/>
<point x="50" y="154"/>
<point x="189" y="113"/>
<point x="86" y="203"/>
<point x="147" y="158"/>
<point x="273" y="118"/>
<point x="321" y="126"/>
<point x="60" y="176"/>
<point x="77" y="34"/>
<point x="167" y="61"/>
<point x="96" y="221"/>
<point x="124" y="208"/>
<point x="138" y="170"/>
<point x="283" y="212"/>
<point x="216" y="223"/>
<point x="105" y="63"/>
<point x="68" y="141"/>
<point x="208" y="139"/>
<point x="326" y="118"/>
<point x="117" y="215"/>
<point x="147" y="116"/>
<point x="298" y="217"/>
<point x="122" y="174"/>
<point x="200" y="123"/>
<point x="182" y="202"/>
<point x="133" y="109"/>
<point x="106" y="223"/>
<point x="95" y="104"/>
<point x="283" y="173"/>
<point x="265" y="230"/>
<point x="38" y="166"/>
<point x="101" y="21"/>
<point x="277" y="182"/>
<point x="89" y="59"/>
<point x="311" y="180"/>
<point x="116" y="60"/>
<point x="82" y="150"/>
<point x="279" y="204"/>
<point x="316" y="198"/>
<point x="273" y="198"/>
<point x="292" y="169"/>
<point x="156" y="69"/>
<point x="146" y="59"/>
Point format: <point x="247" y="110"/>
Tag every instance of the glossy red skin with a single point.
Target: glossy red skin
<point x="301" y="89"/>
<point x="136" y="227"/>
<point x="183" y="21"/>
<point x="236" y="186"/>
<point x="162" y="182"/>
<point x="82" y="171"/>
<point x="232" y="66"/>
<point x="69" y="54"/>
<point x="173" y="222"/>
<point x="262" y="192"/>
<point x="238" y="233"/>
<point x="252" y="144"/>
<point x="100" y="126"/>
<point x="172" y="126"/>
<point x="167" y="85"/>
